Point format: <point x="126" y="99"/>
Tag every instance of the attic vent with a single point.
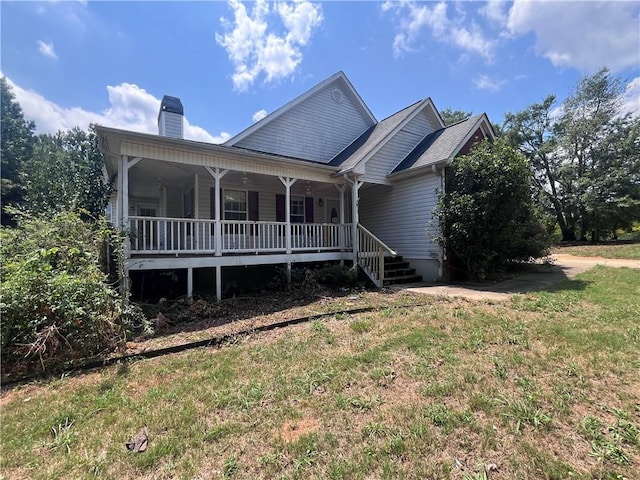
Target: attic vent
<point x="337" y="95"/>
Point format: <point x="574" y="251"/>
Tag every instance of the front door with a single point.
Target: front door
<point x="332" y="211"/>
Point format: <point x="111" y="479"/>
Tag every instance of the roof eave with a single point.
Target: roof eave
<point x="418" y="170"/>
<point x="210" y="148"/>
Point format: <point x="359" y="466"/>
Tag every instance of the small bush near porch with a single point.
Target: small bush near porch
<point x="543" y="386"/>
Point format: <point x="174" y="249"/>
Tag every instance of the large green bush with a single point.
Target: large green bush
<point x="55" y="304"/>
<point x="486" y="215"/>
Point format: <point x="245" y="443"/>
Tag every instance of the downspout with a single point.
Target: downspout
<point x="442" y="256"/>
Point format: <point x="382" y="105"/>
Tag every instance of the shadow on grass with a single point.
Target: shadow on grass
<point x="530" y="279"/>
<point x="189" y="315"/>
<point x="568" y="285"/>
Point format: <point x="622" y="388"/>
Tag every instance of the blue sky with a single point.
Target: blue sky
<point x="72" y="63"/>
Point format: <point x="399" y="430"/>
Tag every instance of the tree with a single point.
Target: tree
<point x="17" y="141"/>
<point x="486" y="214"/>
<point x="584" y="156"/>
<point x="66" y="173"/>
<point x="450" y="116"/>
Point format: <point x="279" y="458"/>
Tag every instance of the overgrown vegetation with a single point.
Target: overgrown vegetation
<point x="486" y="215"/>
<point x="543" y="386"/>
<point x="309" y="279"/>
<point x="56" y="304"/>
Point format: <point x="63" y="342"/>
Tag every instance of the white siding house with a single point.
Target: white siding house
<point x="319" y="179"/>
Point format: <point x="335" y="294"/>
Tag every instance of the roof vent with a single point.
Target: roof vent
<point x="170" y="117"/>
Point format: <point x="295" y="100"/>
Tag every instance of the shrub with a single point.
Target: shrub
<point x="55" y="304"/>
<point x="486" y="215"/>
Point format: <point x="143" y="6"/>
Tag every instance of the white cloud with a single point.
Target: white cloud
<point x="485" y="82"/>
<point x="131" y="108"/>
<point x="495" y="11"/>
<point x="413" y="18"/>
<point x="47" y="49"/>
<point x="631" y="97"/>
<point x="259" y="115"/>
<point x="582" y="35"/>
<point x="255" y="48"/>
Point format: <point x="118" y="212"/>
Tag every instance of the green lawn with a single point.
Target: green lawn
<point x="630" y="250"/>
<point x="544" y="386"/>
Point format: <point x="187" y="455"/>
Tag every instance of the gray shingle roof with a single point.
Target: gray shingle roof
<point x="438" y="146"/>
<point x="371" y="138"/>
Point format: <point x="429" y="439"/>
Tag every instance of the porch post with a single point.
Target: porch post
<point x="118" y="219"/>
<point x="124" y="218"/>
<point x="123" y="194"/>
<point x="288" y="182"/>
<point x="218" y="283"/>
<point x="341" y="189"/>
<point x="355" y="218"/>
<point x="189" y="282"/>
<point x="196" y="191"/>
<point x="217" y="174"/>
<point x="125" y="203"/>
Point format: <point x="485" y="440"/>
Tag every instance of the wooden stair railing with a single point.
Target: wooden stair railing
<point x="370" y="257"/>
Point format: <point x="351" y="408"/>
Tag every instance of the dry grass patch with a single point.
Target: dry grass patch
<point x="621" y="250"/>
<point x="544" y="386"/>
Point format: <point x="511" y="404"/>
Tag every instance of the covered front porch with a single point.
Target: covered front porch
<point x="169" y="208"/>
<point x="187" y="205"/>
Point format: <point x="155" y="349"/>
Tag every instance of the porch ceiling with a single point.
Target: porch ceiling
<point x="147" y="175"/>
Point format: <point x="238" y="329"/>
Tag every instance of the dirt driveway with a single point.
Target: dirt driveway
<point x="564" y="267"/>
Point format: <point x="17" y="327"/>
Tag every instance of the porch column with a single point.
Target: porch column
<point x="196" y="191"/>
<point x="341" y="189"/>
<point x="189" y="282"/>
<point x="124" y="218"/>
<point x="355" y="218"/>
<point x="124" y="191"/>
<point x="217" y="174"/>
<point x="288" y="182"/>
<point x="127" y="163"/>
<point x="218" y="283"/>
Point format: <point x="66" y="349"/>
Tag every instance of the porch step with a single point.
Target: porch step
<point x="397" y="271"/>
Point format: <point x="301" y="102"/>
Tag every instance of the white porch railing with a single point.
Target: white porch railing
<point x="320" y="236"/>
<point x="158" y="235"/>
<point x="171" y="235"/>
<point x="243" y="236"/>
<point x="371" y="252"/>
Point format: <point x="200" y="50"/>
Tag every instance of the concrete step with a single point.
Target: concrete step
<point x="402" y="279"/>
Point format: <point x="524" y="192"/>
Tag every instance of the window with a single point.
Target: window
<point x="301" y="209"/>
<point x="235" y="205"/>
<point x="147" y="212"/>
<point x="297" y="209"/>
<point x="188" y="203"/>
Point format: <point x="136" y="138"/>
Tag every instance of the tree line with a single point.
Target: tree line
<point x="48" y="173"/>
<point x="583" y="155"/>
